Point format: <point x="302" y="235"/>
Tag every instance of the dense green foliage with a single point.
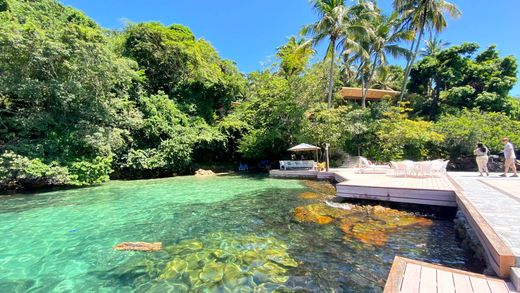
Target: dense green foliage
<point x="80" y="105"/>
<point x="451" y="80"/>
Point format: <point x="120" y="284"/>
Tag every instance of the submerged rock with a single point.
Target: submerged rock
<point x="323" y="187"/>
<point x="228" y="263"/>
<point x="368" y="224"/>
<point x="139" y="246"/>
<point x="343" y="206"/>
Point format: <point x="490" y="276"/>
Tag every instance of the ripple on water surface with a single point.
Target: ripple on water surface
<point x="230" y="232"/>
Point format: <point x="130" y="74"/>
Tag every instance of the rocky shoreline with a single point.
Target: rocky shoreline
<point x="471" y="243"/>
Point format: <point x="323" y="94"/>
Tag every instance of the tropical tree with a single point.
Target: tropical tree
<point x="388" y="77"/>
<point x="385" y="39"/>
<point x="420" y="15"/>
<point x="433" y="46"/>
<point x="330" y="25"/>
<point x="294" y="56"/>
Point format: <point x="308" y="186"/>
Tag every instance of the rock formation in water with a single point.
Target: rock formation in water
<point x="368" y="224"/>
<point x="139" y="246"/>
<point x="229" y="263"/>
<point x="202" y="172"/>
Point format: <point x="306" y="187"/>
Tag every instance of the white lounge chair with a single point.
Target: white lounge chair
<point x="365" y="166"/>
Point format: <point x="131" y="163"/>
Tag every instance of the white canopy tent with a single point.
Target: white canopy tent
<point x="305" y="147"/>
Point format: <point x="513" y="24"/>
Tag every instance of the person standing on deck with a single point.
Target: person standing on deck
<point x="510" y="157"/>
<point x="481" y="153"/>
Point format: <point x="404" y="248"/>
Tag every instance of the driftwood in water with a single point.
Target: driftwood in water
<point x="139" y="246"/>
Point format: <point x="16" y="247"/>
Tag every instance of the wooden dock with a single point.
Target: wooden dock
<point x="437" y="191"/>
<point x="491" y="205"/>
<point x="411" y="276"/>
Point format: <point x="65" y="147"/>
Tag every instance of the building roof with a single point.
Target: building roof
<point x="352" y="93"/>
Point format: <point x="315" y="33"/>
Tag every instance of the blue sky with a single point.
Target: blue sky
<point x="248" y="32"/>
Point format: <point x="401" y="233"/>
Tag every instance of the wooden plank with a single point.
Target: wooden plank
<point x="399" y="199"/>
<point x="462" y="283"/>
<point x="411" y="279"/>
<point x="480" y="285"/>
<point x="497" y="286"/>
<point x="395" y="277"/>
<point x="499" y="255"/>
<point x="409" y="275"/>
<point x="445" y="282"/>
<point x="428" y="282"/>
<point x="376" y="190"/>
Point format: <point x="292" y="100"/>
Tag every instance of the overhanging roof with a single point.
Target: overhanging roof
<point x="353" y="93"/>
<point x="302" y="147"/>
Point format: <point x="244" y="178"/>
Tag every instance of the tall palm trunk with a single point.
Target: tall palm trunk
<point x="416" y="50"/>
<point x="368" y="83"/>
<point x="408" y="64"/>
<point x="331" y="74"/>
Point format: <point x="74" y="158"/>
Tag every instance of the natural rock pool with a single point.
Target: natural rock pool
<point x="219" y="234"/>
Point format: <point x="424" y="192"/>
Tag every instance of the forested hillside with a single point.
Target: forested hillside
<point x="80" y="104"/>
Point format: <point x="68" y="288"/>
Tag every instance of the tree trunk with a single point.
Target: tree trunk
<point x="363" y="87"/>
<point x="331" y="74"/>
<point x="435" y="101"/>
<point x="414" y="55"/>
<point x="368" y="83"/>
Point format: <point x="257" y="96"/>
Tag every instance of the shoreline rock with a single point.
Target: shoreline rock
<point x="202" y="172"/>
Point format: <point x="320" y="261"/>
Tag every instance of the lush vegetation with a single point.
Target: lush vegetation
<point x="80" y="104"/>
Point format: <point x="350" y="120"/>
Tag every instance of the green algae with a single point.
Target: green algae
<point x="229" y="262"/>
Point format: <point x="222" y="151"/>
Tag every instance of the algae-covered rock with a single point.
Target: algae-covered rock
<point x="174" y="269"/>
<point x="322" y="187"/>
<point x="183" y="246"/>
<point x="370" y="225"/>
<point x="212" y="272"/>
<point x="223" y="262"/>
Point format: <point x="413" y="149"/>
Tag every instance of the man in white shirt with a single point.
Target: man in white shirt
<point x="510" y="157"/>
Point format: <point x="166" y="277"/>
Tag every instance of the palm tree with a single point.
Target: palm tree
<point x="387" y="34"/>
<point x="386" y="78"/>
<point x="294" y="55"/>
<point x="419" y="15"/>
<point x="336" y="22"/>
<point x="433" y="46"/>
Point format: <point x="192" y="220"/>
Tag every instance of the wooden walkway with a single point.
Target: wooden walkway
<point x="410" y="276"/>
<point x="490" y="204"/>
<point x="438" y="190"/>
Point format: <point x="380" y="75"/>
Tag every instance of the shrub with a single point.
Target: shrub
<point x="90" y="172"/>
<point x="404" y="139"/>
<point x="463" y="131"/>
<point x="18" y="171"/>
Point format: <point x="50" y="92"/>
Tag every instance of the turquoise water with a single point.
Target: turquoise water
<point x="62" y="241"/>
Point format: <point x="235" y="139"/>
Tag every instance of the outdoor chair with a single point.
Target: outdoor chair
<point x="439" y="166"/>
<point x="399" y="168"/>
<point x="365" y="166"/>
<point x="423" y="169"/>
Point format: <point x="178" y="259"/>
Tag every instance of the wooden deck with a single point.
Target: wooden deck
<point x="490" y="205"/>
<point x="438" y="191"/>
<point x="411" y="276"/>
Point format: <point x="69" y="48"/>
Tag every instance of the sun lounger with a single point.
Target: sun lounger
<point x="365" y="166"/>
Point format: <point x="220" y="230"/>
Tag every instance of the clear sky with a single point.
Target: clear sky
<point x="248" y="32"/>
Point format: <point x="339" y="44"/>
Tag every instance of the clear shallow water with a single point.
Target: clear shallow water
<point x="62" y="241"/>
